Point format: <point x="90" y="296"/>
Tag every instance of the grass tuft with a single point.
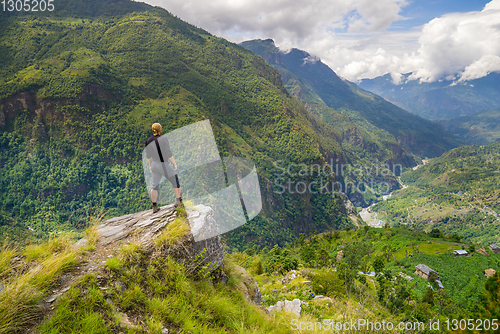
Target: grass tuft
<point x="114" y="264"/>
<point x="131" y="253"/>
<point x="173" y="233"/>
<point x="25" y="283"/>
<point x="91" y="232"/>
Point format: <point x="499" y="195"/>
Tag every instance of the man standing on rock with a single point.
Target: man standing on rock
<point x="157" y="150"/>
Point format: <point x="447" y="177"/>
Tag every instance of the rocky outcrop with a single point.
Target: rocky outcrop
<point x="247" y="285"/>
<point x="293" y="306"/>
<point x="143" y="227"/>
<point x="351" y="211"/>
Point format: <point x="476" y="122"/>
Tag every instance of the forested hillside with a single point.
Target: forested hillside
<point x="79" y="90"/>
<point x="480" y="128"/>
<point x="457" y="193"/>
<point x="369" y="125"/>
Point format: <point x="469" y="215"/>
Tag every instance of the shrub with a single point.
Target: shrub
<point x="327" y="283"/>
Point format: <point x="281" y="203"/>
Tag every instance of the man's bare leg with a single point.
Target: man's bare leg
<point x="154" y="195"/>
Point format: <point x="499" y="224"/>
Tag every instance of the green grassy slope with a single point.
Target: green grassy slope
<point x="393" y="254"/>
<point x="137" y="292"/>
<point x="81" y="88"/>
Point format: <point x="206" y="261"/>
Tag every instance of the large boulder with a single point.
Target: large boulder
<point x="293" y="306"/>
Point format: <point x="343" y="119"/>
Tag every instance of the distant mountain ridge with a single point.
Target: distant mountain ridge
<point x="364" y="120"/>
<point x="442" y="99"/>
<point x="480" y="128"/>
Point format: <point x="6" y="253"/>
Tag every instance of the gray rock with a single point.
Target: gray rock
<point x="113" y="231"/>
<point x="143" y="227"/>
<point x="248" y="285"/>
<point x="293" y="306"/>
<point x="289" y="277"/>
<point x="119" y="285"/>
<point x="52" y="298"/>
<point x="124" y="321"/>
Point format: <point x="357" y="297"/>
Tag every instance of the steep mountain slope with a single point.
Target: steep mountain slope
<point x="386" y="126"/>
<point x="457" y="193"/>
<point x="482" y="127"/>
<point x="80" y="89"/>
<point x="442" y="99"/>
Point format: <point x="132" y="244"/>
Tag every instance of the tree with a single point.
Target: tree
<point x="435" y="233"/>
<point x="354" y="254"/>
<point x="378" y="264"/>
<point x="428" y="297"/>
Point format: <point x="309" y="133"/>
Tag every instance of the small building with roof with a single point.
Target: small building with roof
<point x="424" y="271"/>
<point x="460" y="252"/>
<point x="494" y="248"/>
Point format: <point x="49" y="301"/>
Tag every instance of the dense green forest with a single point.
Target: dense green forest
<point x="79" y="90"/>
<point x="457" y="193"/>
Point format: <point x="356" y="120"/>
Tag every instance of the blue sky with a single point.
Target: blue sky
<point x="445" y="39"/>
<point x="421" y="12"/>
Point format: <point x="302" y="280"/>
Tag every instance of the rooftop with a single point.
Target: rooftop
<point x="460" y="252"/>
<point x="426" y="270"/>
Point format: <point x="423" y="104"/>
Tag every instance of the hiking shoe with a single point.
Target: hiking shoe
<point x="156" y="208"/>
<point x="178" y="202"/>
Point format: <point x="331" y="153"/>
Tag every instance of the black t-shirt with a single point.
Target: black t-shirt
<point x="152" y="152"/>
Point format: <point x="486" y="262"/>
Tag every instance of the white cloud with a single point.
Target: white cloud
<point x="311" y="59"/>
<point x="396" y="78"/>
<point x="481" y="67"/>
<point x="460" y="42"/>
<point x="283" y="19"/>
<point x="351" y="36"/>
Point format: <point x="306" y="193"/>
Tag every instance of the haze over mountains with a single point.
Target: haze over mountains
<point x="443" y="99"/>
<point x="479" y="128"/>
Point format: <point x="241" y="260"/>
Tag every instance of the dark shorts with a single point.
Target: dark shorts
<point x="158" y="171"/>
